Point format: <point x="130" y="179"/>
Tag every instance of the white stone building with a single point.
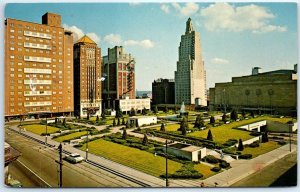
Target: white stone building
<point x="142" y="120"/>
<point x="137" y="104"/>
<point x="190" y="77"/>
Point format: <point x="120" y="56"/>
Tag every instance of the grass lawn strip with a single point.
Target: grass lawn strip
<point x="70" y="136"/>
<point x="135" y="158"/>
<point x="262" y="149"/>
<point x="39" y="129"/>
<point x="205" y="170"/>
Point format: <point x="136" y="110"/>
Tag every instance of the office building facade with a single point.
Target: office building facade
<point x="119" y="73"/>
<point x="163" y="91"/>
<point x="38" y="67"/>
<point x="190" y="79"/>
<point x="87" y="77"/>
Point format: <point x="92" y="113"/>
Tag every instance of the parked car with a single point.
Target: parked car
<point x="74" y="158"/>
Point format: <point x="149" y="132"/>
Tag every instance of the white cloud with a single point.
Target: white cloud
<point x="113" y="39"/>
<point x="165" y="8"/>
<point x="144" y="43"/>
<point x="78" y="33"/>
<point x="134" y="3"/>
<point x="223" y="16"/>
<point x="186" y="9"/>
<point x="219" y="61"/>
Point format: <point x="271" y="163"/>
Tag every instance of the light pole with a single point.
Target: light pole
<point x="46" y="130"/>
<point x="290" y="123"/>
<point x="20" y="124"/>
<point x="167" y="182"/>
<point x="87" y="144"/>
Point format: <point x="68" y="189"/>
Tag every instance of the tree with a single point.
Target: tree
<point x="183" y="126"/>
<point x="233" y="115"/>
<point x="144" y="111"/>
<point x="119" y="113"/>
<point x="118" y="123"/>
<point x="252" y="114"/>
<point x="56" y="120"/>
<point x="199" y="122"/>
<point x="114" y="122"/>
<point x="240" y="146"/>
<point x="103" y="116"/>
<point x="224" y="118"/>
<point x="64" y="122"/>
<point x="166" y="109"/>
<point x="212" y="120"/>
<point x="162" y="127"/>
<point x="155" y="109"/>
<point x="209" y="136"/>
<point x="88" y="115"/>
<point x="123" y="121"/>
<point x="124" y="135"/>
<point x="128" y="124"/>
<point x="132" y="112"/>
<point x="264" y="137"/>
<point x="145" y="139"/>
<point x="243" y="114"/>
<point x="97" y="118"/>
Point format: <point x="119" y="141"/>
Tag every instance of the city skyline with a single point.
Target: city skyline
<point x="235" y="36"/>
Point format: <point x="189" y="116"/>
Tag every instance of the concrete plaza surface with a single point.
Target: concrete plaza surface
<point x="240" y="168"/>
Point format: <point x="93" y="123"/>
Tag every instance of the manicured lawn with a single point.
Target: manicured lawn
<point x="132" y="157"/>
<point x="39" y="129"/>
<point x="224" y="132"/>
<point x="205" y="170"/>
<point x="172" y="127"/>
<point x="262" y="149"/>
<point x="70" y="136"/>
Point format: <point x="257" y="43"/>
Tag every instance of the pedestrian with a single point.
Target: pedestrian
<point x="202" y="184"/>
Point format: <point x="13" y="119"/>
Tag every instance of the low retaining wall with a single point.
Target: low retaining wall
<point x="273" y="126"/>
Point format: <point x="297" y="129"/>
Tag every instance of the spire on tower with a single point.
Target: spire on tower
<point x="189" y="26"/>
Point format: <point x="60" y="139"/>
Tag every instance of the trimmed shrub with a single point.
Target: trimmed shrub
<point x="211" y="159"/>
<point x="215" y="169"/>
<point x="281" y="142"/>
<point x="224" y="164"/>
<point x="187" y="171"/>
<point x="245" y="156"/>
<point x="254" y="144"/>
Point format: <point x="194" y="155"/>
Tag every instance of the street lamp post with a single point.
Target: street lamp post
<point x="87" y="144"/>
<point x="46" y="130"/>
<point x="20" y="124"/>
<point x="290" y="123"/>
<point x="167" y="183"/>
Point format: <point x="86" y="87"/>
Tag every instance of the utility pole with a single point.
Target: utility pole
<point x="87" y="145"/>
<point x="60" y="165"/>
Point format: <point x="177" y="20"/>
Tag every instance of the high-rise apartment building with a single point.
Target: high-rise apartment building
<point x="87" y="77"/>
<point x="163" y="91"/>
<point x="119" y="70"/>
<point x="190" y="79"/>
<point x="38" y="67"/>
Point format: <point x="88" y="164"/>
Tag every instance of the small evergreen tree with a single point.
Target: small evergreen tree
<point x="233" y="115"/>
<point x="224" y="118"/>
<point x="64" y="122"/>
<point x="88" y="116"/>
<point x="132" y="112"/>
<point x="118" y="123"/>
<point x="114" y="122"/>
<point x="119" y="113"/>
<point x="240" y="146"/>
<point x="56" y="120"/>
<point x="97" y="118"/>
<point x="128" y="124"/>
<point x="183" y="126"/>
<point x="145" y="140"/>
<point x="103" y="116"/>
<point x="166" y="109"/>
<point x="162" y="127"/>
<point x="209" y="135"/>
<point x="212" y="120"/>
<point x="123" y="121"/>
<point x="144" y="111"/>
<point x="244" y="114"/>
<point x="199" y="122"/>
<point x="124" y="135"/>
<point x="264" y="137"/>
<point x="155" y="109"/>
<point x="252" y="114"/>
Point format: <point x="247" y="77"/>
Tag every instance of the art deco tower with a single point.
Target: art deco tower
<point x="190" y="79"/>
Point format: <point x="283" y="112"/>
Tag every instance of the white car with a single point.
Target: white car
<point x="74" y="158"/>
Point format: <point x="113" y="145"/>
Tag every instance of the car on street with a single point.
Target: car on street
<point x="74" y="158"/>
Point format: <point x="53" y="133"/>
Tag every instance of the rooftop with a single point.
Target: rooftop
<point x="85" y="39"/>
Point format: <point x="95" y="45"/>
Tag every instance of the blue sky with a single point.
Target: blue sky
<point x="234" y="36"/>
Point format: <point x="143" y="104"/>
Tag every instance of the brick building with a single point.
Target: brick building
<point x="119" y="71"/>
<point x="38" y="67"/>
<point x="87" y="77"/>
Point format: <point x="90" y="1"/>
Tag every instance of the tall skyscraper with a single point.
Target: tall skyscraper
<point x="38" y="67"/>
<point x="190" y="79"/>
<point x="163" y="91"/>
<point x="87" y="77"/>
<point x="118" y="68"/>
